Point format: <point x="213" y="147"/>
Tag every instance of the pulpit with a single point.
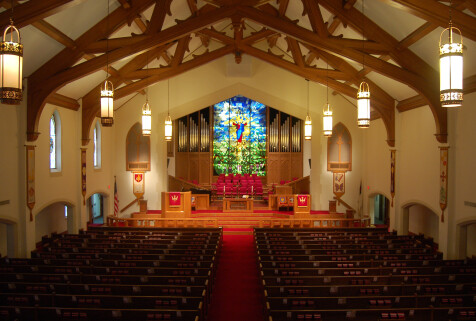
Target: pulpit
<point x="302" y="205"/>
<point x="176" y="204"/>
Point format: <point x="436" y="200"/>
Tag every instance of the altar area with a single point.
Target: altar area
<point x="255" y="213"/>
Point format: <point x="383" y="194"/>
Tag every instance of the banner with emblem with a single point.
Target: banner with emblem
<point x="339" y="183"/>
<point x="138" y="184"/>
<point x="83" y="174"/>
<point x="302" y="200"/>
<point x="30" y="179"/>
<point x="443" y="180"/>
<point x="392" y="173"/>
<point x="175" y="199"/>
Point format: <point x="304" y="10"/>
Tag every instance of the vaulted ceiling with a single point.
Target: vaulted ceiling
<point x="391" y="44"/>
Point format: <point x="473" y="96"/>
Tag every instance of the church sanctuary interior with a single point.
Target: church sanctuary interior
<point x="231" y="160"/>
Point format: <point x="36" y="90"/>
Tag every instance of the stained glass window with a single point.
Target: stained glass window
<point x="97" y="145"/>
<point x="52" y="142"/>
<point x="239" y="130"/>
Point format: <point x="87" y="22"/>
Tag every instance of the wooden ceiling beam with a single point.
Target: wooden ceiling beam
<point x="415" y="72"/>
<point x="469" y="86"/>
<point x="169" y="72"/>
<point x="63" y="101"/>
<point x="334" y="25"/>
<point x="293" y="46"/>
<point x="182" y="47"/>
<point x="283" y="6"/>
<point x="161" y="9"/>
<point x="380" y="102"/>
<point x="311" y="7"/>
<point x="34" y="10"/>
<point x="51" y="77"/>
<point x="90" y="101"/>
<point x="439" y="14"/>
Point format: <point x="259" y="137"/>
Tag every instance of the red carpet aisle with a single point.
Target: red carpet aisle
<point x="237" y="294"/>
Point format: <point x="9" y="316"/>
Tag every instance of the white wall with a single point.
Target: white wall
<point x="209" y="84"/>
<point x="471" y="240"/>
<point x="423" y="220"/>
<point x="50" y="219"/>
<point x="3" y="239"/>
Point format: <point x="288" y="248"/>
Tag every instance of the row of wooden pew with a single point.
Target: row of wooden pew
<point x="361" y="274"/>
<point x="113" y="274"/>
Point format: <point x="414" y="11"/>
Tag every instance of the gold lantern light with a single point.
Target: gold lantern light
<point x="451" y="67"/>
<point x="11" y="66"/>
<point x="363" y="105"/>
<point x="327" y="113"/>
<point x="168" y="120"/>
<point x="308" y="121"/>
<point x="107" y="104"/>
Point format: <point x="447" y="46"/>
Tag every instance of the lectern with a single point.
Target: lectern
<point x="176" y="204"/>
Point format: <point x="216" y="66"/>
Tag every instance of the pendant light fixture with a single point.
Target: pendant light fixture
<point x="308" y="121"/>
<point x="146" y="112"/>
<point x="11" y="66"/>
<point x="107" y="90"/>
<point x="451" y="67"/>
<point x="363" y="95"/>
<point x="327" y="114"/>
<point x="168" y="120"/>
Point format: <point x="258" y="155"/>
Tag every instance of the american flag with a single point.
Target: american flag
<point x="116" y="199"/>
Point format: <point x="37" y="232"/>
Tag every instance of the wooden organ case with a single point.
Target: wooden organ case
<point x="193" y="140"/>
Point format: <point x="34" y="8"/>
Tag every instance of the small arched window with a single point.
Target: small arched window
<point x="339" y="149"/>
<point x="97" y="145"/>
<point x="55" y="142"/>
<point x="137" y="150"/>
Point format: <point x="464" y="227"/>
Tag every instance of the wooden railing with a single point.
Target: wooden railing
<point x="301" y="185"/>
<point x="314" y="222"/>
<point x="136" y="201"/>
<point x="340" y="201"/>
<point x="178" y="185"/>
<point x="161" y="222"/>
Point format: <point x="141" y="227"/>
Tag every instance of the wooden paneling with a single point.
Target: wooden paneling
<point x="204" y="169"/>
<point x="181" y="165"/>
<point x="193" y="164"/>
<point x="296" y="165"/>
<point x="285" y="166"/>
<point x="273" y="168"/>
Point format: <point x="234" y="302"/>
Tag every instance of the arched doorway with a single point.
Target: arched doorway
<point x="466" y="239"/>
<point x="55" y="218"/>
<point x="96" y="208"/>
<point x="8" y="242"/>
<point x="379" y="209"/>
<point x="420" y="219"/>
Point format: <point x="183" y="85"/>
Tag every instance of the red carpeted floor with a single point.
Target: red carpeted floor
<point x="237" y="295"/>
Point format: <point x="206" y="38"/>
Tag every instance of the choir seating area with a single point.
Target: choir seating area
<point x="361" y="274"/>
<point x="113" y="274"/>
<point x="236" y="185"/>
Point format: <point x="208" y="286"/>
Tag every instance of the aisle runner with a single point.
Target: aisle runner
<point x="237" y="294"/>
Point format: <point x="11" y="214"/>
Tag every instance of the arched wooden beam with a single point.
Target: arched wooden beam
<point x="50" y="77"/>
<point x="92" y="105"/>
<point x="420" y="77"/>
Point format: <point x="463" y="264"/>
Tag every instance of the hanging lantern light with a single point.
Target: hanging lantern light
<point x="327" y="114"/>
<point x="146" y="120"/>
<point x="451" y="69"/>
<point x="107" y="92"/>
<point x="168" y="120"/>
<point x="11" y="66"/>
<point x="327" y="121"/>
<point x="107" y="104"/>
<point x="308" y="128"/>
<point x="308" y="121"/>
<point x="168" y="128"/>
<point x="146" y="111"/>
<point x="363" y="105"/>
